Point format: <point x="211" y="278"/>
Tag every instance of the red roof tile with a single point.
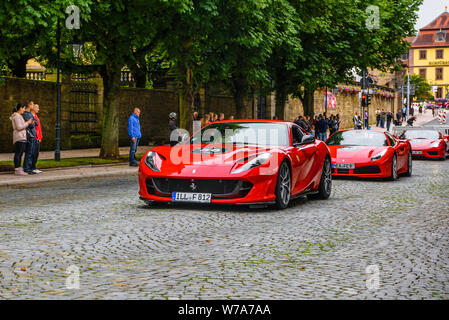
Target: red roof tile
<point x="441" y="22"/>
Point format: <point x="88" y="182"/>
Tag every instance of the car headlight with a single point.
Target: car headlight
<point x="379" y="155"/>
<point x="151" y="160"/>
<point x="435" y="144"/>
<point x="253" y="163"/>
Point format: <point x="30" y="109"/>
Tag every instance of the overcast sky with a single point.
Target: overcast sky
<point x="429" y="10"/>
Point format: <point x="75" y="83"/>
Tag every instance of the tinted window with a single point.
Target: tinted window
<point x="391" y="139"/>
<point x="296" y="134"/>
<point x="251" y="133"/>
<point x="358" y="138"/>
<point x="420" y="134"/>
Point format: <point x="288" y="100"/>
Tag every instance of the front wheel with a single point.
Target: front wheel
<point x="283" y="186"/>
<point x="394" y="169"/>
<point x="409" y="166"/>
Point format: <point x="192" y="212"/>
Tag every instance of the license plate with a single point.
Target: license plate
<point x="343" y="165"/>
<point x="191" y="197"/>
<point x="416" y="152"/>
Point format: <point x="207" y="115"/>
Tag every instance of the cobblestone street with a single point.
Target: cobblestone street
<point x="314" y="249"/>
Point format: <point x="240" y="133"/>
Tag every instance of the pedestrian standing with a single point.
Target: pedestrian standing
<point x="377" y="117"/>
<point x="338" y="121"/>
<point x="19" y="137"/>
<point x="366" y="120"/>
<point x="322" y="126"/>
<point x="357" y="121"/>
<point x="31" y="138"/>
<point x="34" y="112"/>
<point x="404" y="113"/>
<point x="389" y="118"/>
<point x="134" y="136"/>
<point x="171" y="127"/>
<point x="383" y="115"/>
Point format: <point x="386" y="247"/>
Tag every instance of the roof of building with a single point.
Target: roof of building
<point x="427" y="36"/>
<point x="441" y="22"/>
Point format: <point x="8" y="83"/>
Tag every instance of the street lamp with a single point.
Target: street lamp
<point x="75" y="47"/>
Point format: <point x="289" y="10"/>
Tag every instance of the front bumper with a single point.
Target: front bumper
<point x="429" y="153"/>
<point x="246" y="188"/>
<point x="369" y="169"/>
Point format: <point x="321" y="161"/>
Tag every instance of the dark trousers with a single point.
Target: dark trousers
<point x="29" y="154"/>
<point x="20" y="147"/>
<point x="133" y="150"/>
<point x="388" y="125"/>
<point x="35" y="155"/>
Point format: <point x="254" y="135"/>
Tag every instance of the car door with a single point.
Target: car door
<point x="401" y="150"/>
<point x="303" y="158"/>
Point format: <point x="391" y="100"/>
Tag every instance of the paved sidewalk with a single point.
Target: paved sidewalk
<point x="421" y="119"/>
<point x="72" y="173"/>
<point x="77" y="153"/>
<point x="8" y="179"/>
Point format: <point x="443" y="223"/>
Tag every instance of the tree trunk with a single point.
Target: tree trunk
<point x="308" y="102"/>
<point x="19" y="67"/>
<point x="281" y="97"/>
<point x="111" y="105"/>
<point x="186" y="99"/>
<point x="240" y="91"/>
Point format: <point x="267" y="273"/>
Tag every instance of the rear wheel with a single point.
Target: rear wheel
<point x="325" y="187"/>
<point x="409" y="166"/>
<point x="283" y="186"/>
<point x="394" y="169"/>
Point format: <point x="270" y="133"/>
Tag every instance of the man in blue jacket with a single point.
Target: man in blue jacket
<point x="134" y="135"/>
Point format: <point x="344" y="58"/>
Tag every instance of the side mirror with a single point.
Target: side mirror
<point x="308" y="139"/>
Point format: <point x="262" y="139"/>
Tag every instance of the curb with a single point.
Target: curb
<point x="69" y="177"/>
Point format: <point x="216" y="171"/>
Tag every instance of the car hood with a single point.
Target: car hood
<point x="351" y="154"/>
<point x="422" y="142"/>
<point x="206" y="160"/>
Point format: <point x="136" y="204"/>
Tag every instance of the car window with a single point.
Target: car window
<point x="358" y="138"/>
<point x="391" y="139"/>
<point x="296" y="135"/>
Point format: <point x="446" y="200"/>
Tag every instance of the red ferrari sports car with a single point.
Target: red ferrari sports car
<point x="427" y="143"/>
<point x="238" y="162"/>
<point x="369" y="154"/>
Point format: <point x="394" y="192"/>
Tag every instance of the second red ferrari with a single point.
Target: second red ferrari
<point x="369" y="154"/>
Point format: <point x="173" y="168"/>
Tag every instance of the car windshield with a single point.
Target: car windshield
<point x="250" y="133"/>
<point x="420" y="134"/>
<point x="358" y="138"/>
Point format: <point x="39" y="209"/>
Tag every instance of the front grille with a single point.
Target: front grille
<point x="433" y="153"/>
<point x="367" y="170"/>
<point x="343" y="171"/>
<point x="218" y="188"/>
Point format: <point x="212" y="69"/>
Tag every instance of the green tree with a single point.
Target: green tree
<point x="422" y="88"/>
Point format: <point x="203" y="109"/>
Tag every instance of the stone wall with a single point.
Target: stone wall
<point x="13" y="91"/>
<point x="155" y="106"/>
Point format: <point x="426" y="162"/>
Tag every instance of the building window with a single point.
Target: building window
<point x="439" y="94"/>
<point x="439" y="54"/>
<point x="439" y="74"/>
<point x="422" y="54"/>
<point x="422" y="73"/>
<point x="440" y="36"/>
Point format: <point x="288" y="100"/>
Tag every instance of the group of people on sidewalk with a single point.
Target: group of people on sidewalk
<point x="135" y="133"/>
<point x="319" y="125"/>
<point x="27" y="137"/>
